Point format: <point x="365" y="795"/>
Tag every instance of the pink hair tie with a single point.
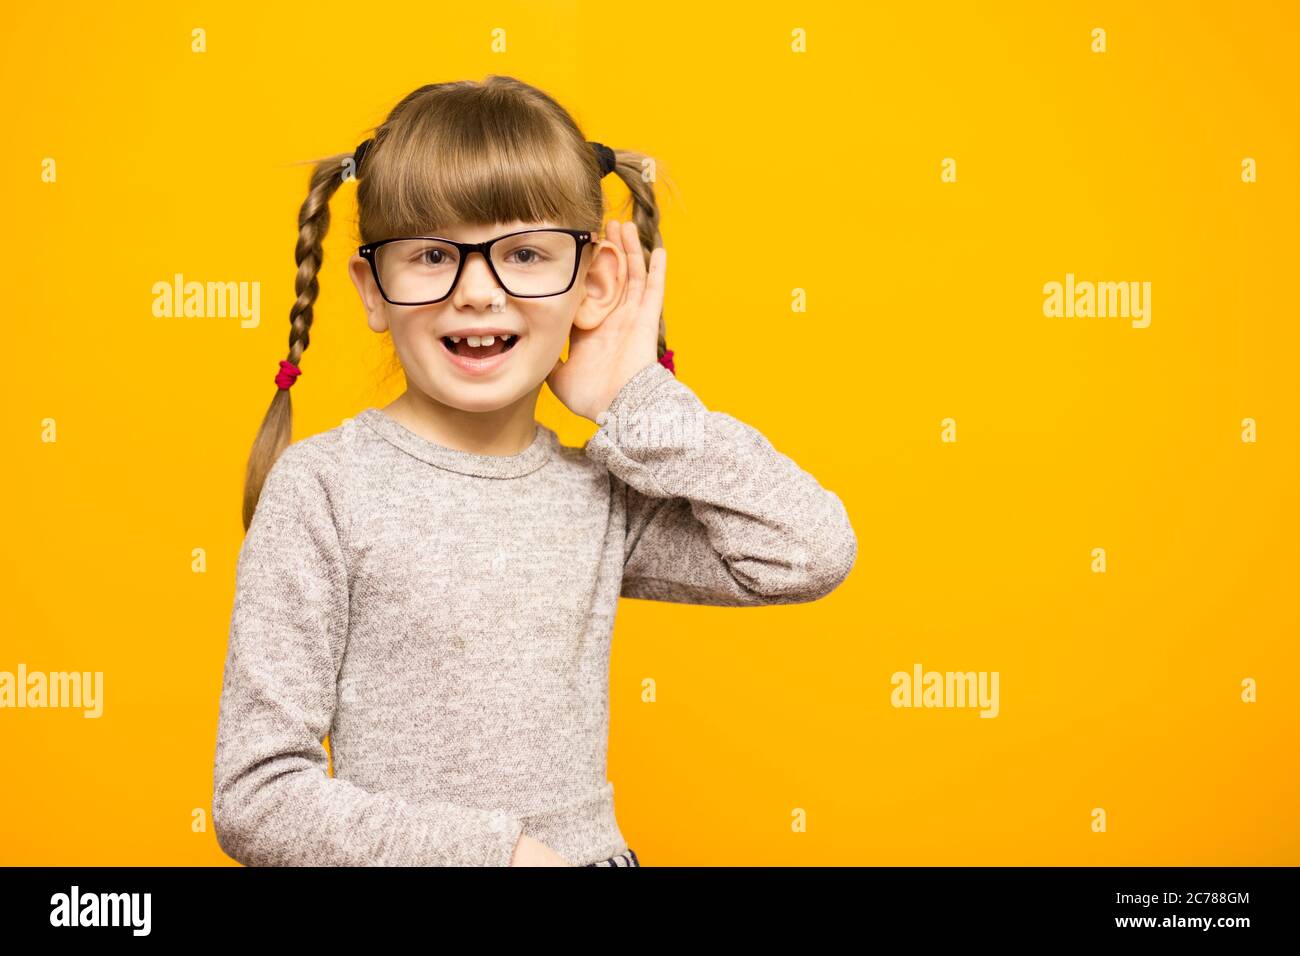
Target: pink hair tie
<point x="287" y="375"/>
<point x="666" y="360"/>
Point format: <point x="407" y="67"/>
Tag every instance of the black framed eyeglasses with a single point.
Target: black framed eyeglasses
<point x="528" y="264"/>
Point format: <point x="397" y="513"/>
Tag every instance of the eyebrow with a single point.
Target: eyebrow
<point x="497" y="235"/>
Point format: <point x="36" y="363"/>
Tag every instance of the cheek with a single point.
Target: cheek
<point x="551" y="325"/>
<point x="410" y="328"/>
<point x="546" y="331"/>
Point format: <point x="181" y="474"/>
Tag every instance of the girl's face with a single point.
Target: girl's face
<point x="445" y="371"/>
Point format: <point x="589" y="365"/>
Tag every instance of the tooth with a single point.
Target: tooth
<point x="472" y="340"/>
<point x="487" y="340"/>
<point x="455" y="338"/>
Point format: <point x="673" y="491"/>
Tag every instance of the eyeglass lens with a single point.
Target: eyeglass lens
<point x="532" y="263"/>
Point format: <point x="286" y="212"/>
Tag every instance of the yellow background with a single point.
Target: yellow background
<point x="817" y="171"/>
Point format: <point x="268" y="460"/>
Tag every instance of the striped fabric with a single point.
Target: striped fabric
<point x="620" y="859"/>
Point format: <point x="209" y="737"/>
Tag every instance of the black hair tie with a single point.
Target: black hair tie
<point x="360" y="153"/>
<point x="605" y="156"/>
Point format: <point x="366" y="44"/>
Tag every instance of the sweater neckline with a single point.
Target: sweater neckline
<point x="517" y="465"/>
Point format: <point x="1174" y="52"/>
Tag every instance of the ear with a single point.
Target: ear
<point x="604" y="280"/>
<point x="371" y="300"/>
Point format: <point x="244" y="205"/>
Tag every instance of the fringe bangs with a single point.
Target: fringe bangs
<point x="477" y="167"/>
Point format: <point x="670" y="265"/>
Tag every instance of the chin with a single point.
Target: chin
<point x="482" y="396"/>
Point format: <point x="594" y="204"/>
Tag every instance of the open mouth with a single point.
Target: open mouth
<point x="480" y="347"/>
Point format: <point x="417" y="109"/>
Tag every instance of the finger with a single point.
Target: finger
<point x="654" y="296"/>
<point x="636" y="263"/>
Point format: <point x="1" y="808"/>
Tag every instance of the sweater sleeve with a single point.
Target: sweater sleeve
<point x="274" y="803"/>
<point x="715" y="514"/>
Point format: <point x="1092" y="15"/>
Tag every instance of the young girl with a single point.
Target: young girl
<point x="433" y="584"/>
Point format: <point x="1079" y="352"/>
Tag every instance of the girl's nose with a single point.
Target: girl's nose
<point x="477" y="285"/>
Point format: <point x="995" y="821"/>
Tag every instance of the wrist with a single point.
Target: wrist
<point x="638" y="387"/>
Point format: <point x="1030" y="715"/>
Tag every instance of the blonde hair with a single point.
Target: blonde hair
<point x="468" y="152"/>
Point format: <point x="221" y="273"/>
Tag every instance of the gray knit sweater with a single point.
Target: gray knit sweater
<point x="445" y="619"/>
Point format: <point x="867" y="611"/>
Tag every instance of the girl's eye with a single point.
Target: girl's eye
<point x="532" y="256"/>
<point x="432" y="257"/>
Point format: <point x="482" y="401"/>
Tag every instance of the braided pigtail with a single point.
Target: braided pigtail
<point x="628" y="166"/>
<point x="276" y="431"/>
